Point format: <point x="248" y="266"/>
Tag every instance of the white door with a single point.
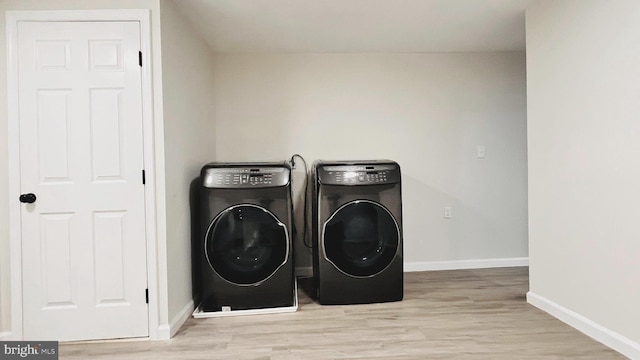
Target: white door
<point x="83" y="239"/>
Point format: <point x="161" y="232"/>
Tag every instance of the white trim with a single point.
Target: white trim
<point x="107" y="341"/>
<point x="150" y="172"/>
<point x="143" y="17"/>
<point x="610" y="338"/>
<point x="465" y="264"/>
<point x="163" y="332"/>
<point x="6" y="335"/>
<point x="13" y="132"/>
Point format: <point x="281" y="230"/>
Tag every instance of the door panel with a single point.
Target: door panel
<point x="56" y="265"/>
<point x="106" y="134"/>
<point x="109" y="265"/>
<point x="83" y="240"/>
<point x="52" y="124"/>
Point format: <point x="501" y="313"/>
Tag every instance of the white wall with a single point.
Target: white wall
<point x="426" y="111"/>
<point x="153" y="5"/>
<point x="583" y="72"/>
<point x="187" y="82"/>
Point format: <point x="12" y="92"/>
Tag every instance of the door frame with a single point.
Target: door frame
<point x="15" y="235"/>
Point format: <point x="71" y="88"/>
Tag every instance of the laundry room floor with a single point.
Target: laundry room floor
<point x="458" y="314"/>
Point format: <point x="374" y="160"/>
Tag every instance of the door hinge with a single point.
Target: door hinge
<point x="140" y="58"/>
<point x="146" y="295"/>
<point x="144" y="178"/>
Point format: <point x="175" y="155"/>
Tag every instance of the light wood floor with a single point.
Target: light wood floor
<point x="461" y="314"/>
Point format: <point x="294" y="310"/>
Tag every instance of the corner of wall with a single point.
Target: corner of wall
<point x="610" y="338"/>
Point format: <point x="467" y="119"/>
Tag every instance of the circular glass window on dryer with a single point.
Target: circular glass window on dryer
<point x="246" y="244"/>
<point x="361" y="238"/>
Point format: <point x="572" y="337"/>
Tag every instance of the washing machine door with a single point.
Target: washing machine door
<point x="361" y="238"/>
<point x="246" y="244"/>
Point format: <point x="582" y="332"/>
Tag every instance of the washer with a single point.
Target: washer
<point x="357" y="231"/>
<point x="245" y="253"/>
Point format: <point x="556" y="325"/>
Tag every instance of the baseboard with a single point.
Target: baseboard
<point x="306" y="271"/>
<point x="5" y="335"/>
<point x="465" y="264"/>
<point x="167" y="331"/>
<point x="181" y="318"/>
<point x="592" y="329"/>
<point x="164" y="332"/>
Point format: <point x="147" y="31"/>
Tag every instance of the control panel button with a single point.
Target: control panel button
<point x="359" y="174"/>
<point x="230" y="177"/>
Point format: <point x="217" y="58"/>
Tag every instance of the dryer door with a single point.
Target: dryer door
<point x="361" y="238"/>
<point x="246" y="244"/>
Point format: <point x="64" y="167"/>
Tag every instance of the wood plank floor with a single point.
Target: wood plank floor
<point x="461" y="314"/>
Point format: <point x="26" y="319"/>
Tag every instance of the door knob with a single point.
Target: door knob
<point x="29" y="198"/>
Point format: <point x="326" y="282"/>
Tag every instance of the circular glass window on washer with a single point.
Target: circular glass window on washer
<point x="361" y="238"/>
<point x="246" y="244"/>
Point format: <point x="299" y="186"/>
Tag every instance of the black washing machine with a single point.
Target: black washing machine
<point x="244" y="221"/>
<point x="357" y="231"/>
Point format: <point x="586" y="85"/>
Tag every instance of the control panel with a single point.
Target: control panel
<point x="245" y="177"/>
<point x="359" y="174"/>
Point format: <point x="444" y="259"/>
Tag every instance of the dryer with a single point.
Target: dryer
<point x="357" y="231"/>
<point x="245" y="254"/>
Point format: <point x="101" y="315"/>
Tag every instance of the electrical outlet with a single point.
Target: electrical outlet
<point x="447" y="212"/>
<point x="480" y="152"/>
